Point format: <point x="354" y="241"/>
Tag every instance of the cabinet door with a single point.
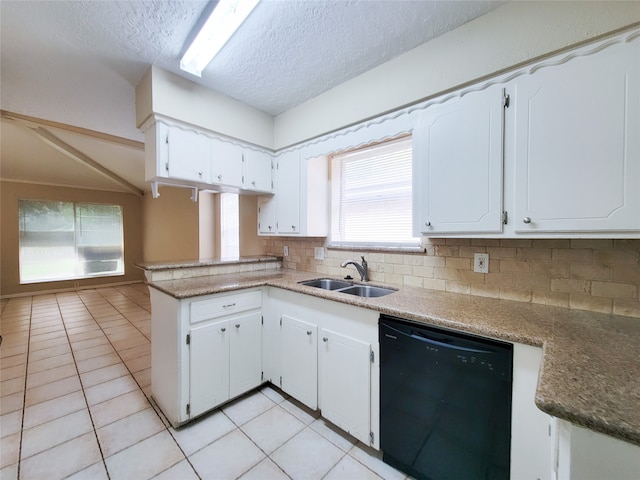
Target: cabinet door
<point x="266" y="215"/>
<point x="258" y="171"/>
<point x="577" y="144"/>
<point x="245" y="353"/>
<point x="345" y="383"/>
<point x="300" y="360"/>
<point x="208" y="366"/>
<point x="189" y="155"/>
<point x="226" y="163"/>
<point x="287" y="194"/>
<point x="457" y="161"/>
<point x="532" y="443"/>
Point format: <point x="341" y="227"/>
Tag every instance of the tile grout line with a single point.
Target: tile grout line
<point x="139" y="387"/>
<point x="24" y="396"/>
<point x="95" y="433"/>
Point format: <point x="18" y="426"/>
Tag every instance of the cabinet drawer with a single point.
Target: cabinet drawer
<point x="224" y="305"/>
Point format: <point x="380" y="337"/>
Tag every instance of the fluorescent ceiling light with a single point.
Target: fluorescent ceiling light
<point x="224" y="20"/>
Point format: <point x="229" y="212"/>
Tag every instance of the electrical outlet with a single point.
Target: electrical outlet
<point x="481" y="262"/>
<point x="319" y="253"/>
<point x="286" y="251"/>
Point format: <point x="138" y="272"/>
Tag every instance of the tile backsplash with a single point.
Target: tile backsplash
<point x="596" y="275"/>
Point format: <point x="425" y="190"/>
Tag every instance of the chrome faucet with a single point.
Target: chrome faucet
<point x="363" y="269"/>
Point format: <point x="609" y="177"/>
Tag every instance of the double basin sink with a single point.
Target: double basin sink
<point x="348" y="287"/>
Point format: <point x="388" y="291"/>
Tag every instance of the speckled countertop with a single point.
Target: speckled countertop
<point x="590" y="364"/>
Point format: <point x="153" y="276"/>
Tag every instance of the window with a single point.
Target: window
<point x="371" y="200"/>
<point x="65" y="240"/>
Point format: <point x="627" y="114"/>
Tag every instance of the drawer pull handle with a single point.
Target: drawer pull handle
<point x="229" y="305"/>
<point x="223" y="329"/>
<point x="237" y="325"/>
<point x="308" y="332"/>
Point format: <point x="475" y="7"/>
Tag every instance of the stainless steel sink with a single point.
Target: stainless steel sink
<point x="327" y="283"/>
<point x="348" y="287"/>
<point x="367" y="291"/>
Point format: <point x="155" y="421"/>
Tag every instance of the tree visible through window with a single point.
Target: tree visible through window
<point x="65" y="240"/>
<point x="371" y="196"/>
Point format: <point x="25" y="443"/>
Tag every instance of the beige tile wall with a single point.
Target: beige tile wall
<point x="595" y="275"/>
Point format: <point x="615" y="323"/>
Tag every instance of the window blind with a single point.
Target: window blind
<point x="65" y="240"/>
<point x="371" y="196"/>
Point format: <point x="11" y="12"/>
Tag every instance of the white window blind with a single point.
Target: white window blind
<point x="65" y="240"/>
<point x="371" y="196"/>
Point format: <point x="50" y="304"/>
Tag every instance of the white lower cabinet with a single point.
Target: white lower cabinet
<point x="208" y="366"/>
<point x="325" y="355"/>
<point x="204" y="350"/>
<point x="586" y="455"/>
<point x="532" y="442"/>
<point x="299" y="347"/>
<point x="345" y="382"/>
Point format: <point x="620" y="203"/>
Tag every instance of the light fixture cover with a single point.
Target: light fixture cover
<point x="224" y="20"/>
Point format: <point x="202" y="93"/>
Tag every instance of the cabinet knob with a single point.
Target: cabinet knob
<point x="220" y="177"/>
<point x="325" y="339"/>
<point x="526" y="220"/>
<point x="427" y="223"/>
<point x="200" y="174"/>
<point x="309" y="332"/>
<point x="253" y="183"/>
<point x="223" y="329"/>
<point x="237" y="325"/>
<point x="293" y="227"/>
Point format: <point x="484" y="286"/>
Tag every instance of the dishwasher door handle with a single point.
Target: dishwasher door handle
<point x="416" y="335"/>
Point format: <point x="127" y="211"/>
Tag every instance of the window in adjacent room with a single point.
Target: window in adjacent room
<point x="229" y="225"/>
<point x="371" y="198"/>
<point x="66" y="240"/>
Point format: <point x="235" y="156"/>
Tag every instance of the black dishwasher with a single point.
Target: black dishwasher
<point x="445" y="402"/>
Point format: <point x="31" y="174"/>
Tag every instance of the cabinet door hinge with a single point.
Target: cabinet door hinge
<point x="271" y="184"/>
<point x="262" y="320"/>
<point x="166" y="166"/>
<point x="505" y="217"/>
<point x="505" y="100"/>
<point x="280" y="325"/>
<point x="166" y="138"/>
<point x="281" y="380"/>
<point x="371" y="438"/>
<point x="188" y="339"/>
<point x="372" y="356"/>
<point x="188" y="409"/>
<point x="262" y="376"/>
<point x="243" y="177"/>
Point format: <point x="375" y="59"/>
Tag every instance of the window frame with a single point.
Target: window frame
<point x="78" y="259"/>
<point x="333" y="240"/>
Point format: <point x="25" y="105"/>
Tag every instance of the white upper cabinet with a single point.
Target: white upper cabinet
<point x="226" y="163"/>
<point x="258" y="171"/>
<point x="577" y="146"/>
<point x="300" y="205"/>
<point x="457" y="165"/>
<point x="177" y="153"/>
<point x="287" y="196"/>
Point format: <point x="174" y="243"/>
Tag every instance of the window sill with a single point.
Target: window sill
<point x="417" y="250"/>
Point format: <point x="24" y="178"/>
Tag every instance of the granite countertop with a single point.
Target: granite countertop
<point x="590" y="361"/>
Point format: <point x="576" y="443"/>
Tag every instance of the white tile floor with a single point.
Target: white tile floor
<point x="75" y="372"/>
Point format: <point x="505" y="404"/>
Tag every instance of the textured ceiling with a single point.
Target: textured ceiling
<point x="77" y="63"/>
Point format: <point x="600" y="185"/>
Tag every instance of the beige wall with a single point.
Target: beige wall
<point x="510" y="35"/>
<point x="250" y="243"/>
<point x="595" y="275"/>
<point x="11" y="192"/>
<point x="170" y="226"/>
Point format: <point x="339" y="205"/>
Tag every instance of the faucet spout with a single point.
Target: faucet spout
<point x="363" y="269"/>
